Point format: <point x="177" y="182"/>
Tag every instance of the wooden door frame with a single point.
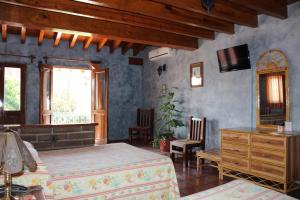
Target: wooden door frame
<point x="98" y="69"/>
<point x="41" y="90"/>
<point x="23" y="74"/>
<point x="1" y="96"/>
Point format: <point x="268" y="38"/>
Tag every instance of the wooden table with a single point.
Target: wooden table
<point x="212" y="155"/>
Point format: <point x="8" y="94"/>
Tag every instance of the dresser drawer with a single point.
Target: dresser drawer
<point x="235" y="137"/>
<point x="269" y="156"/>
<point x="235" y="163"/>
<point x="268" y="171"/>
<point x="273" y="142"/>
<point x="235" y="149"/>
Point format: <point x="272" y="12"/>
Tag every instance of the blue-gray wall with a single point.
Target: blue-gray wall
<point x="228" y="99"/>
<point x="125" y="81"/>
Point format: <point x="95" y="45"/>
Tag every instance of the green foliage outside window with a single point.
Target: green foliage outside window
<point x="12" y="94"/>
<point x="64" y="102"/>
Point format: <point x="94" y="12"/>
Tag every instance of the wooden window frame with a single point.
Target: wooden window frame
<point x="22" y="110"/>
<point x="42" y="111"/>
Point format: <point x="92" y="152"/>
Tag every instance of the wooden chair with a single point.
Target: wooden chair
<point x="196" y="138"/>
<point x="145" y="124"/>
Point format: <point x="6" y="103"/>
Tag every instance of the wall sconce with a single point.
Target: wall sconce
<point x="161" y="68"/>
<point x="163" y="89"/>
<point x="207" y="4"/>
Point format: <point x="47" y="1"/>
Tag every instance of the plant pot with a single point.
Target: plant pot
<point x="164" y="144"/>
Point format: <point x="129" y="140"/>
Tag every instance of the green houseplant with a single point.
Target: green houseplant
<point x="170" y="118"/>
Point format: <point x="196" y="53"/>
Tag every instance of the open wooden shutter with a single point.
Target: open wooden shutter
<point x="46" y="93"/>
<point x="1" y="96"/>
<point x="100" y="103"/>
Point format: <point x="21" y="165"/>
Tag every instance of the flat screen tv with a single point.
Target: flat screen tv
<point x="234" y="58"/>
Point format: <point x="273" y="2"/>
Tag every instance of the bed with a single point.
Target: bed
<point x="112" y="171"/>
<point x="121" y="171"/>
<point x="238" y="190"/>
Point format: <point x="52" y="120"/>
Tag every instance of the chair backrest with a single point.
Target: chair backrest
<point x="197" y="129"/>
<point x="145" y="117"/>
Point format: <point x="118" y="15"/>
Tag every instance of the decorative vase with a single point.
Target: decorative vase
<point x="164" y="144"/>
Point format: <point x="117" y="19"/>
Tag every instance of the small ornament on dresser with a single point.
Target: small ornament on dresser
<point x="287" y="126"/>
<point x="280" y="128"/>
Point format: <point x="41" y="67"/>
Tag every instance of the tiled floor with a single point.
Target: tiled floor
<point x="191" y="182"/>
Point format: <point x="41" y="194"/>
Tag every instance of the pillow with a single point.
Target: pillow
<point x="32" y="150"/>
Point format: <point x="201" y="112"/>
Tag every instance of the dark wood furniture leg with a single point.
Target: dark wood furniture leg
<point x="185" y="156"/>
<point x="145" y="137"/>
<point x="172" y="155"/>
<point x="130" y="135"/>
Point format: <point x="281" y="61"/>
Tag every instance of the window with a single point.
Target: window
<point x="275" y="89"/>
<point x="12" y="93"/>
<point x="71" y="96"/>
<point x="12" y="89"/>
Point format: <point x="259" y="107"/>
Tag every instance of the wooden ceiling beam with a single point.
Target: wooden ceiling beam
<point x="19" y="15"/>
<point x="135" y="61"/>
<point x="126" y="48"/>
<point x="158" y="10"/>
<point x="87" y="42"/>
<point x="41" y="37"/>
<point x="115" y="45"/>
<point x="101" y="43"/>
<point x="292" y="1"/>
<point x="222" y="9"/>
<point x="138" y="48"/>
<point x="4" y="32"/>
<point x="275" y="8"/>
<point x="57" y="38"/>
<point x="23" y="34"/>
<point x="73" y="40"/>
<point x="113" y="15"/>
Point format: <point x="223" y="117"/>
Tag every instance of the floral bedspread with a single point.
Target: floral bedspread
<point x="238" y="190"/>
<point x="140" y="174"/>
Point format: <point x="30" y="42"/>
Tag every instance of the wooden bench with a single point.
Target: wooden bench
<point x="213" y="156"/>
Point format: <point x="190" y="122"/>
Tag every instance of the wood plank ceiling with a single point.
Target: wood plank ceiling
<point x="131" y="24"/>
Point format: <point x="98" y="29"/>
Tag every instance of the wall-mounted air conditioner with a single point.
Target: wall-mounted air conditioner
<point x="161" y="53"/>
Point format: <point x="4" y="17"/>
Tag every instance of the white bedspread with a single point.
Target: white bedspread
<point x="94" y="158"/>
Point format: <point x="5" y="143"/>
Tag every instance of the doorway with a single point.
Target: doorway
<point x="12" y="93"/>
<point x="70" y="95"/>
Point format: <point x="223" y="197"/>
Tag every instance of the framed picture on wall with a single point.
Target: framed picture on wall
<point x="196" y="74"/>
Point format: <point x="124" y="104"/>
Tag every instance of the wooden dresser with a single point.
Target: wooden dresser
<point x="268" y="158"/>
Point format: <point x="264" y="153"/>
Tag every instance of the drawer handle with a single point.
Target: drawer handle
<point x="232" y="137"/>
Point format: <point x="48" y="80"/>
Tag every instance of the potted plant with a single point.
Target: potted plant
<point x="170" y="118"/>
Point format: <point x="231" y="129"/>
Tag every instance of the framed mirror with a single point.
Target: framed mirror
<point x="272" y="90"/>
<point x="196" y="74"/>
